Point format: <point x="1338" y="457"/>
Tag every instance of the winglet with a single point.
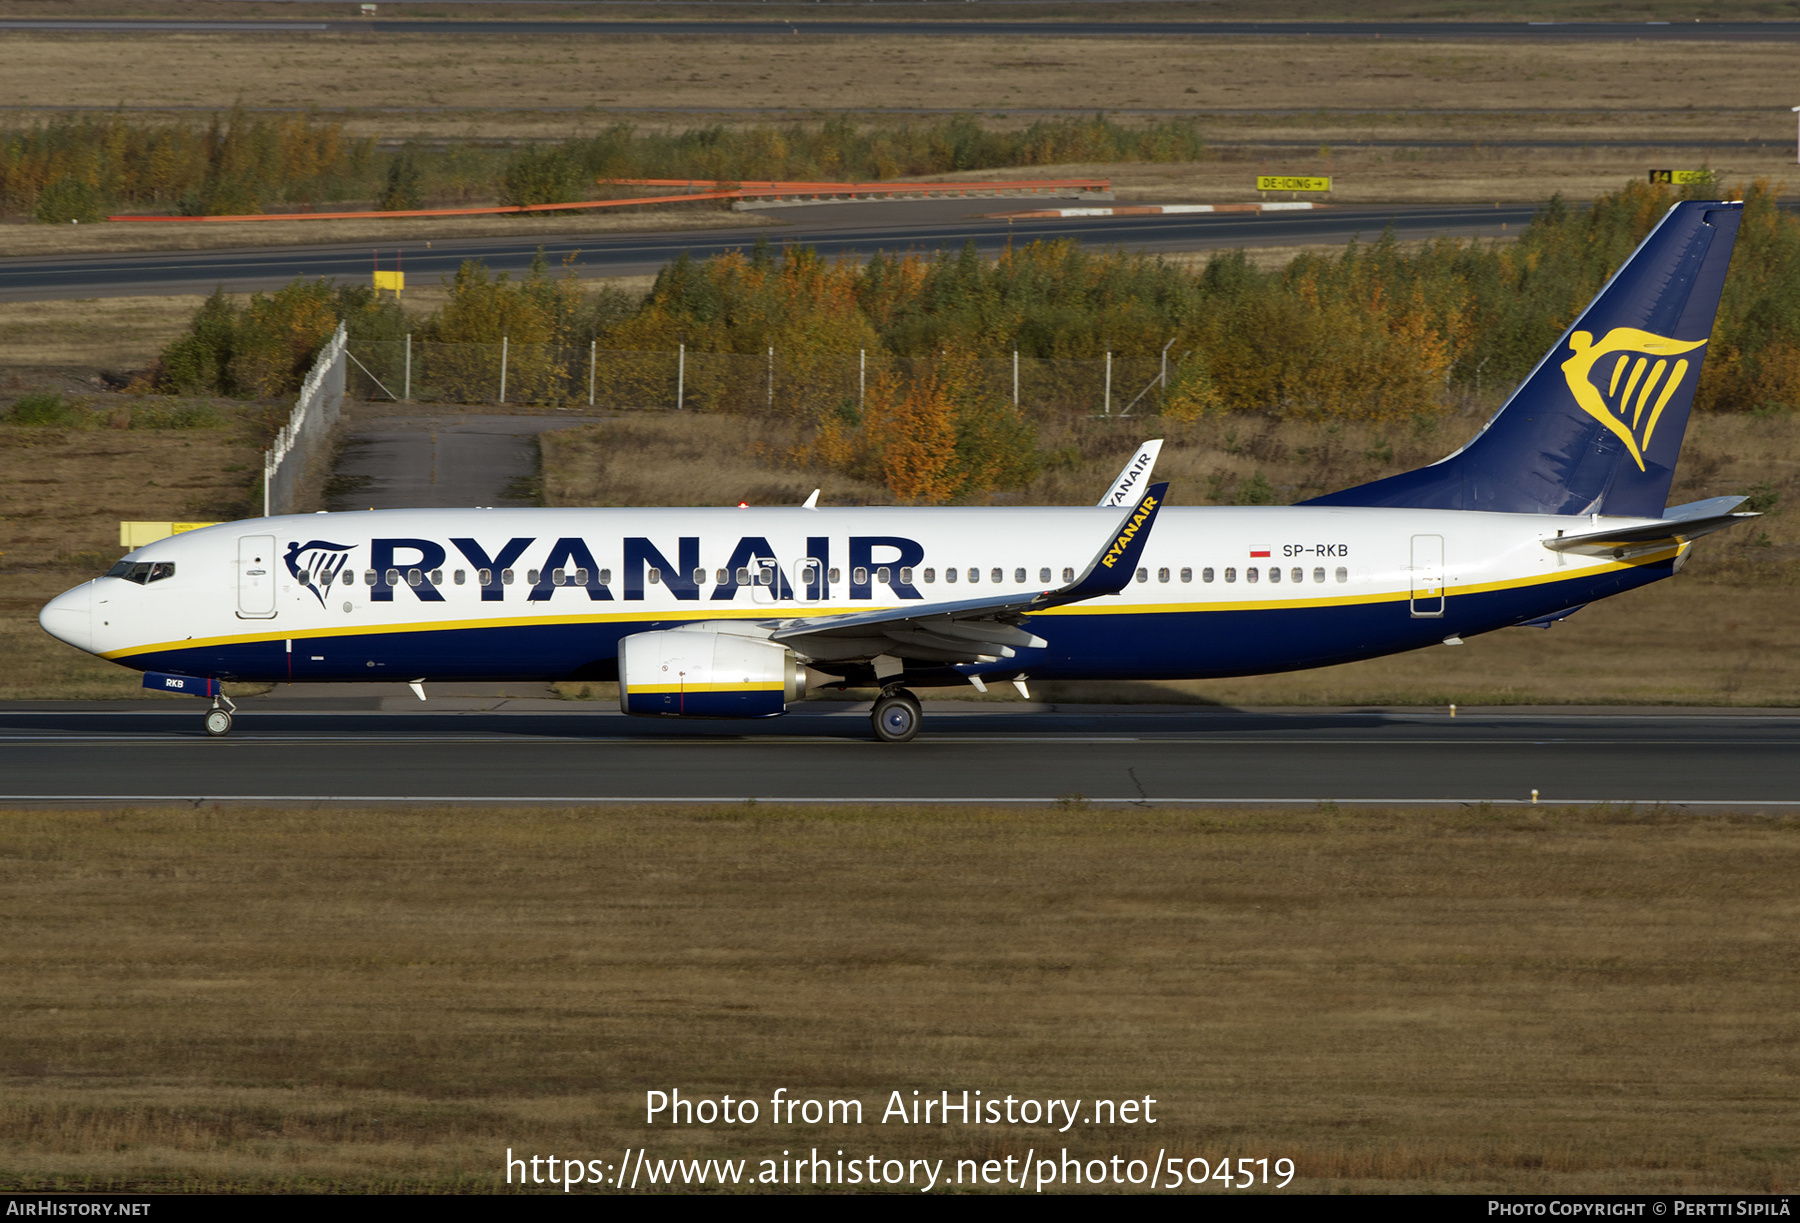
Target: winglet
<point x="1137" y="471"/>
<point x="812" y="502"/>
<point x="1111" y="569"/>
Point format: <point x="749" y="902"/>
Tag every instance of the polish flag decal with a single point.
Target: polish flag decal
<point x="1256" y="552"/>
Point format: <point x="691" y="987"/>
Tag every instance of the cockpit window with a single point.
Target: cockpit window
<point x="142" y="571"/>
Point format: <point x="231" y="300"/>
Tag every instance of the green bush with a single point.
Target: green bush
<point x="176" y="416"/>
<point x="46" y="408"/>
<point x="68" y="199"/>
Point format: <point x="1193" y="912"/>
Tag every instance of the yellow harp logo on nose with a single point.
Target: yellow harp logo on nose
<point x="1626" y="380"/>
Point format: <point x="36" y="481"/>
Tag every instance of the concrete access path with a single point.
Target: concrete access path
<point x="435" y="456"/>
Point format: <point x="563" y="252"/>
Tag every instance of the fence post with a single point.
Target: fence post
<point x="771" y="377"/>
<point x="268" y="479"/>
<point x="593" y="359"/>
<point x="862" y="376"/>
<point x="680" y="376"/>
<point x="1109" y="384"/>
<point x="408" y="395"/>
<point x="503" y="343"/>
<point x="1015" y="379"/>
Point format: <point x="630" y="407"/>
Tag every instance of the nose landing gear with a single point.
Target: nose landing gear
<point x="218" y="718"/>
<point x="896" y="716"/>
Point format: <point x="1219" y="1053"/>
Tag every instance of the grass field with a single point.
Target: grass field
<point x="821" y="74"/>
<point x="1525" y="1000"/>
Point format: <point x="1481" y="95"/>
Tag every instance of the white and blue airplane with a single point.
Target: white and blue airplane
<point x="1559" y="501"/>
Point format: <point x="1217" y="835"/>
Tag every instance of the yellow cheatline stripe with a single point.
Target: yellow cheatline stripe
<point x="1089" y="609"/>
<point x="703" y="689"/>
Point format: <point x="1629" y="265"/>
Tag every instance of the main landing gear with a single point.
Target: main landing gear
<point x="218" y="718"/>
<point x="896" y="716"/>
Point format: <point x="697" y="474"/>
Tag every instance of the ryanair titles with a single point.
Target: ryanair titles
<point x="1122" y="544"/>
<point x="570" y="562"/>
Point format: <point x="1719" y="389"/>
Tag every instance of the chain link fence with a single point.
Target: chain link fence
<point x="772" y="381"/>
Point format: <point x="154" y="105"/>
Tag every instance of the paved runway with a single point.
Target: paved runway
<point x="1435" y="31"/>
<point x="834" y="230"/>
<point x="553" y="751"/>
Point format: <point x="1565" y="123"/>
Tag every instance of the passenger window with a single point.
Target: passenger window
<point x="1343" y="574"/>
<point x="1318" y="575"/>
<point x="1231" y="575"/>
<point x="654" y="574"/>
<point x="606" y="577"/>
<point x="1044" y="575"/>
<point x="460" y="575"/>
<point x="162" y="569"/>
<point x="532" y="576"/>
<point x="369" y="577"/>
<point x="722" y="576"/>
<point x="765" y="575"/>
<point x="859" y="576"/>
<point x="1206" y="575"/>
<point x="1250" y="574"/>
<point x="506" y="577"/>
<point x="1068" y="575"/>
<point x="484" y="577"/>
<point x="581" y="577"/>
<point x="1274" y="573"/>
<point x="930" y="576"/>
<point x="834" y="576"/>
<point x="743" y="577"/>
<point x="393" y="577"/>
<point x="997" y="576"/>
<point x="905" y="576"/>
<point x="1162" y="575"/>
<point x="1019" y="576"/>
<point x="1298" y="575"/>
<point x="699" y="576"/>
<point x="949" y="575"/>
<point x="974" y="575"/>
<point x="558" y="576"/>
<point x="437" y="577"/>
<point x="884" y="575"/>
<point x="1143" y="575"/>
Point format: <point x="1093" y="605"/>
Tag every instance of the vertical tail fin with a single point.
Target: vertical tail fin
<point x="1597" y="425"/>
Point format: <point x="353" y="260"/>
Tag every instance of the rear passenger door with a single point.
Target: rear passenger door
<point x="1427" y="576"/>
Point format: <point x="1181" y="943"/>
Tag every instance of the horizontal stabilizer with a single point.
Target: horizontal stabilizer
<point x="1652" y="536"/>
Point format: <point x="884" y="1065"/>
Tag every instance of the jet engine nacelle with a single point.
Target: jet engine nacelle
<point x="697" y="674"/>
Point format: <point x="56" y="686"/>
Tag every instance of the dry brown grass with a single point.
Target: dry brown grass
<point x="814" y="73"/>
<point x="111" y="333"/>
<point x="1478" y="1001"/>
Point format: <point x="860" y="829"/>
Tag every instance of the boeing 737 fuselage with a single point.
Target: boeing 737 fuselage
<point x="740" y="612"/>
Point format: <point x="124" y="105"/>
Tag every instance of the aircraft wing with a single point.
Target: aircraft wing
<point x="974" y="630"/>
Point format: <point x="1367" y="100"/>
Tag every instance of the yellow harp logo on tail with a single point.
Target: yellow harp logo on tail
<point x="1626" y="380"/>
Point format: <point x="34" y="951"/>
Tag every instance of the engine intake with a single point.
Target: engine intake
<point x="689" y="673"/>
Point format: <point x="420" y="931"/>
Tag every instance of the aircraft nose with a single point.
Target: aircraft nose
<point x="69" y="617"/>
